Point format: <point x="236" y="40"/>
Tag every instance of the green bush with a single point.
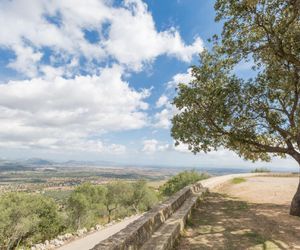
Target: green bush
<point x="181" y="180"/>
<point x="26" y="218"/>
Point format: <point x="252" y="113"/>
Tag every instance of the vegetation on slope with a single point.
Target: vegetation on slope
<point x="181" y="180"/>
<point x="27" y="218"/>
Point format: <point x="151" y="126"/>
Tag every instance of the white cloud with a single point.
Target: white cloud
<point x="162" y="101"/>
<point x="69" y="111"/>
<point x="163" y="118"/>
<point x="57" y="107"/>
<point x="180" y="78"/>
<point x="26" y="60"/>
<point x="126" y="33"/>
<point x="152" y="146"/>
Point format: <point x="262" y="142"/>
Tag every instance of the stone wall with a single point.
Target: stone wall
<point x="137" y="233"/>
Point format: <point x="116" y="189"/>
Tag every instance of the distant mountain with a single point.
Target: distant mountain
<point x="38" y="161"/>
<point x="13" y="166"/>
<point x="89" y="163"/>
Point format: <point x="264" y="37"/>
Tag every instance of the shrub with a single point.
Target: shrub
<point x="181" y="180"/>
<point x="238" y="180"/>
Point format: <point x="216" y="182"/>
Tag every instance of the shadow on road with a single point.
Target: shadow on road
<point x="222" y="222"/>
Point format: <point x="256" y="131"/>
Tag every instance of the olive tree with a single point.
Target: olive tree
<point x="86" y="205"/>
<point x="26" y="218"/>
<point x="259" y="117"/>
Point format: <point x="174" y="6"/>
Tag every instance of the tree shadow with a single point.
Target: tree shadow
<point x="223" y="222"/>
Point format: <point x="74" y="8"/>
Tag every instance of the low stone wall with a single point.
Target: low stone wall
<point x="138" y="232"/>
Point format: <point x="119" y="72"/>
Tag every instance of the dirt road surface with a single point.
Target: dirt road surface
<point x="93" y="239"/>
<point x="250" y="214"/>
<point x="261" y="189"/>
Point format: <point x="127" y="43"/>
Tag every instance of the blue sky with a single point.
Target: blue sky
<point x="94" y="80"/>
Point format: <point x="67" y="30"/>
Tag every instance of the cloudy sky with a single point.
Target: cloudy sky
<point x="94" y="79"/>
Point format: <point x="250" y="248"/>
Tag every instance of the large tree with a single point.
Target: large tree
<point x="259" y="117"/>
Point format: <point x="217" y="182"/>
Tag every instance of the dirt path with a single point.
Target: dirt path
<point x="91" y="240"/>
<point x="261" y="189"/>
<point x="257" y="218"/>
<point x="221" y="222"/>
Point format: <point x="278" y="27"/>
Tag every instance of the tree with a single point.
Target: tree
<point x="85" y="204"/>
<point x="117" y="194"/>
<point x="256" y="118"/>
<point x="180" y="181"/>
<point x="142" y="197"/>
<point x="27" y="217"/>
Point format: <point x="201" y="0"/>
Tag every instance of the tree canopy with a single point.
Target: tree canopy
<point x="256" y="117"/>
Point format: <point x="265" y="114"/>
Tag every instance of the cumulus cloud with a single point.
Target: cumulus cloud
<point x="73" y="94"/>
<point x="180" y="78"/>
<point x="69" y="111"/>
<point x="126" y="33"/>
<point x="151" y="146"/>
<point x="162" y="119"/>
<point x="162" y="101"/>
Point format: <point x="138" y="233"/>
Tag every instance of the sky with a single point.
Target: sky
<point x="94" y="80"/>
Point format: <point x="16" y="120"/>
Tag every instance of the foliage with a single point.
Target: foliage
<point x="31" y="218"/>
<point x="117" y="195"/>
<point x="256" y="117"/>
<point x="27" y="217"/>
<point x="238" y="180"/>
<point x="261" y="170"/>
<point x="60" y="196"/>
<point x="85" y="204"/>
<point x="181" y="180"/>
<point x="143" y="197"/>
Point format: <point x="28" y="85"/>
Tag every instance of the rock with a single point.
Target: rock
<point x="50" y="246"/>
<point x="98" y="227"/>
<point x="40" y="246"/>
<point x="56" y="242"/>
<point x="68" y="236"/>
<point x="92" y="229"/>
<point x="80" y="232"/>
<point x="61" y="237"/>
<point x="47" y="242"/>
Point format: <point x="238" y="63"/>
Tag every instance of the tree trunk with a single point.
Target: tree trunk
<point x="295" y="205"/>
